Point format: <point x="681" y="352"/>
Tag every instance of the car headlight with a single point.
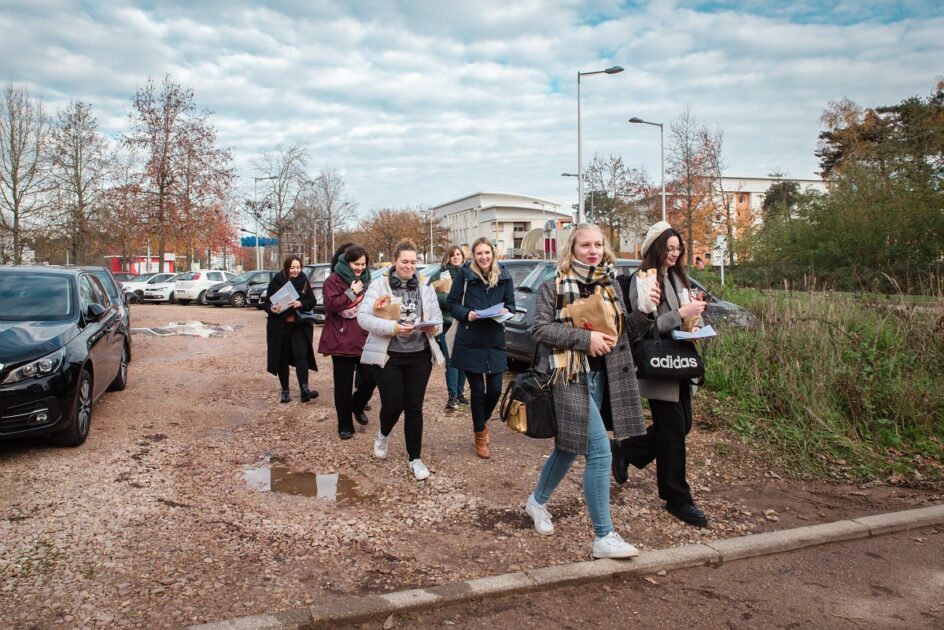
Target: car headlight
<point x="44" y="366"/>
<point x="226" y="289"/>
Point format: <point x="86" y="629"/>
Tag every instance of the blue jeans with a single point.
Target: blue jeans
<point x="596" y="475"/>
<point x="455" y="379"/>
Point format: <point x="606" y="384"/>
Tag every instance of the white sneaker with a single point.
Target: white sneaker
<point x="540" y="516"/>
<point x="420" y="471"/>
<point x="380" y="445"/>
<point x="612" y="546"/>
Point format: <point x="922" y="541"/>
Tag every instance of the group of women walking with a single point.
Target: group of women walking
<point x="387" y="333"/>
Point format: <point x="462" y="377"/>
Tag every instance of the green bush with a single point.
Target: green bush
<point x="829" y="379"/>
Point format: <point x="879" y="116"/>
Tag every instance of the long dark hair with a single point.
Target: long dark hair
<point x="355" y="252"/>
<point x="337" y="254"/>
<point x="288" y="263"/>
<point x="447" y="255"/>
<point x="655" y="255"/>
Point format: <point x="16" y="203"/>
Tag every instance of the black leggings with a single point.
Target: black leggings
<point x="294" y="345"/>
<point x="402" y="384"/>
<point x="485" y="391"/>
<point x="344" y="404"/>
<point x="664" y="442"/>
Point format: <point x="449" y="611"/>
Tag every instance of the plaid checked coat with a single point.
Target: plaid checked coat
<point x="622" y="409"/>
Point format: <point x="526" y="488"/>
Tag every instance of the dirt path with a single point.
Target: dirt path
<point x="152" y="522"/>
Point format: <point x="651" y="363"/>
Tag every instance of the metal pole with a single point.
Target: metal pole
<point x="579" y="159"/>
<point x="662" y="159"/>
<point x="430" y="257"/>
<point x="255" y="205"/>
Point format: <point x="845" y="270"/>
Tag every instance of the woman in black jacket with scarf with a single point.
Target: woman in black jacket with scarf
<point x="479" y="347"/>
<point x="288" y="337"/>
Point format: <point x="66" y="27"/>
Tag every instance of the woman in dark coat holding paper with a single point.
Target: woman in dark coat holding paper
<point x="479" y="347"/>
<point x="669" y="400"/>
<point x="288" y="337"/>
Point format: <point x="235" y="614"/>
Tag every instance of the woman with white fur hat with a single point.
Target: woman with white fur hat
<point x="669" y="400"/>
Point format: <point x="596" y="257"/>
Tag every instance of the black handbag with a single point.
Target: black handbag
<point x="527" y="404"/>
<point x="661" y="358"/>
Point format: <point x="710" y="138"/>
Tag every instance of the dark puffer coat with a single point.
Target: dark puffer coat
<point x="480" y="345"/>
<point x="277" y="324"/>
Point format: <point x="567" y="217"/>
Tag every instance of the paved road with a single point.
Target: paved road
<point x="894" y="581"/>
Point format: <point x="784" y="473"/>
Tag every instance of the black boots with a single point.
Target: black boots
<point x="308" y="394"/>
<point x="284" y="398"/>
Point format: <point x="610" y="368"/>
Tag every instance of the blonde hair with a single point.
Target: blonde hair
<point x="567" y="255"/>
<point x="494" y="271"/>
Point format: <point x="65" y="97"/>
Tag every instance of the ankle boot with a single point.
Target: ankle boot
<point x="481" y="444"/>
<point x="488" y="437"/>
<point x="308" y="394"/>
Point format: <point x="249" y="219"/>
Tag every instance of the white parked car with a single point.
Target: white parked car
<point x="135" y="290"/>
<point x="192" y="285"/>
<point x="161" y="291"/>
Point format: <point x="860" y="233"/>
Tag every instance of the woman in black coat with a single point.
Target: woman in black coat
<point x="288" y="337"/>
<point x="479" y="347"/>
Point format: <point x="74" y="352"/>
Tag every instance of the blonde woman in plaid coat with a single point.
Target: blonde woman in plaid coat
<point x="594" y="382"/>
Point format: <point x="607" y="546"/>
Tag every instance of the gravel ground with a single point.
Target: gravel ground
<point x="152" y="523"/>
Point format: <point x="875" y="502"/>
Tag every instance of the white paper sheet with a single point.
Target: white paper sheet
<point x="284" y="296"/>
<point x="702" y="333"/>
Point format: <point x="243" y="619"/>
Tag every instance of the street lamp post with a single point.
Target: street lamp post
<point x="610" y="70"/>
<point x="430" y="257"/>
<point x="255" y="206"/>
<point x="639" y="121"/>
<point x="256" y="236"/>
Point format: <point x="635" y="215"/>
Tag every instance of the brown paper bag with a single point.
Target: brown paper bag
<point x="386" y="308"/>
<point x="443" y="285"/>
<point x="592" y="314"/>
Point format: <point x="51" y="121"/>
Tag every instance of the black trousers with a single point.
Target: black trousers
<point x="294" y="345"/>
<point x="345" y="405"/>
<point x="485" y="390"/>
<point x="664" y="442"/>
<point x="402" y="384"/>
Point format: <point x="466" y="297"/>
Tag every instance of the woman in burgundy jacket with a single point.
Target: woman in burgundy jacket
<point x="343" y="340"/>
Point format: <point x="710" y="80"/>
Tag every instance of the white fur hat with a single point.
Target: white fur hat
<point x="654" y="232"/>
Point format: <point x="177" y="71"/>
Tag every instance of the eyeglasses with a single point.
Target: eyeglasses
<point x="674" y="250"/>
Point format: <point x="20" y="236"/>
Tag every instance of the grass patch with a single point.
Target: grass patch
<point x="839" y="385"/>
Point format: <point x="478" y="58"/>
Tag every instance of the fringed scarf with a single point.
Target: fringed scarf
<point x="568" y="365"/>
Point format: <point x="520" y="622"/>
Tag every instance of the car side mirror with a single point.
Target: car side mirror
<point x="95" y="311"/>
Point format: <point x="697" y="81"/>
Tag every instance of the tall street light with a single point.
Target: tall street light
<point x="255" y="206"/>
<point x="639" y="121"/>
<point x="611" y="70"/>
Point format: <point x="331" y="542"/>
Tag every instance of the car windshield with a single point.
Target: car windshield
<point x="110" y="287"/>
<point x="186" y="276"/>
<point x="243" y="277"/>
<point x="35" y="296"/>
<point x="538" y="275"/>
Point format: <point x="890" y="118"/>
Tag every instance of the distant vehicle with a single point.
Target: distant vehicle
<point x="519" y="268"/>
<point x="317" y="274"/>
<point x="135" y="288"/>
<point x="123" y="277"/>
<point x="256" y="295"/>
<point x="161" y="291"/>
<point x="520" y="344"/>
<point x="62" y="345"/>
<point x="235" y="292"/>
<point x="192" y="285"/>
<point x="115" y="294"/>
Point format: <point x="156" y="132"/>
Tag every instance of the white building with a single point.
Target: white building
<point x="503" y="217"/>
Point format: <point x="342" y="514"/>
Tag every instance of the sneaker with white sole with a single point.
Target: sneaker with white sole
<point x="540" y="516"/>
<point x="380" y="445"/>
<point x="420" y="471"/>
<point x="612" y="546"/>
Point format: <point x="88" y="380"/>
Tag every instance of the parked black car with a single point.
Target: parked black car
<point x="236" y="291"/>
<point x="63" y="343"/>
<point x="519" y="268"/>
<point x="517" y="329"/>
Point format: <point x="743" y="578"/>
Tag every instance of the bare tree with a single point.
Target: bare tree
<point x="24" y="177"/>
<point x="79" y="158"/>
<point x="173" y="135"/>
<point x="616" y="191"/>
<point x="689" y="170"/>
<point x="711" y="147"/>
<point x="282" y="182"/>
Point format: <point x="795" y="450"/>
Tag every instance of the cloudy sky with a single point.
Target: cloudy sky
<point x="424" y="102"/>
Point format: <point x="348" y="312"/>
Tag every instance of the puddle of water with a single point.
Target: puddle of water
<point x="187" y="329"/>
<point x="271" y="476"/>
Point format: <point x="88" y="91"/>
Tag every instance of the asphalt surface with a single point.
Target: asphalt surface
<point x="892" y="581"/>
